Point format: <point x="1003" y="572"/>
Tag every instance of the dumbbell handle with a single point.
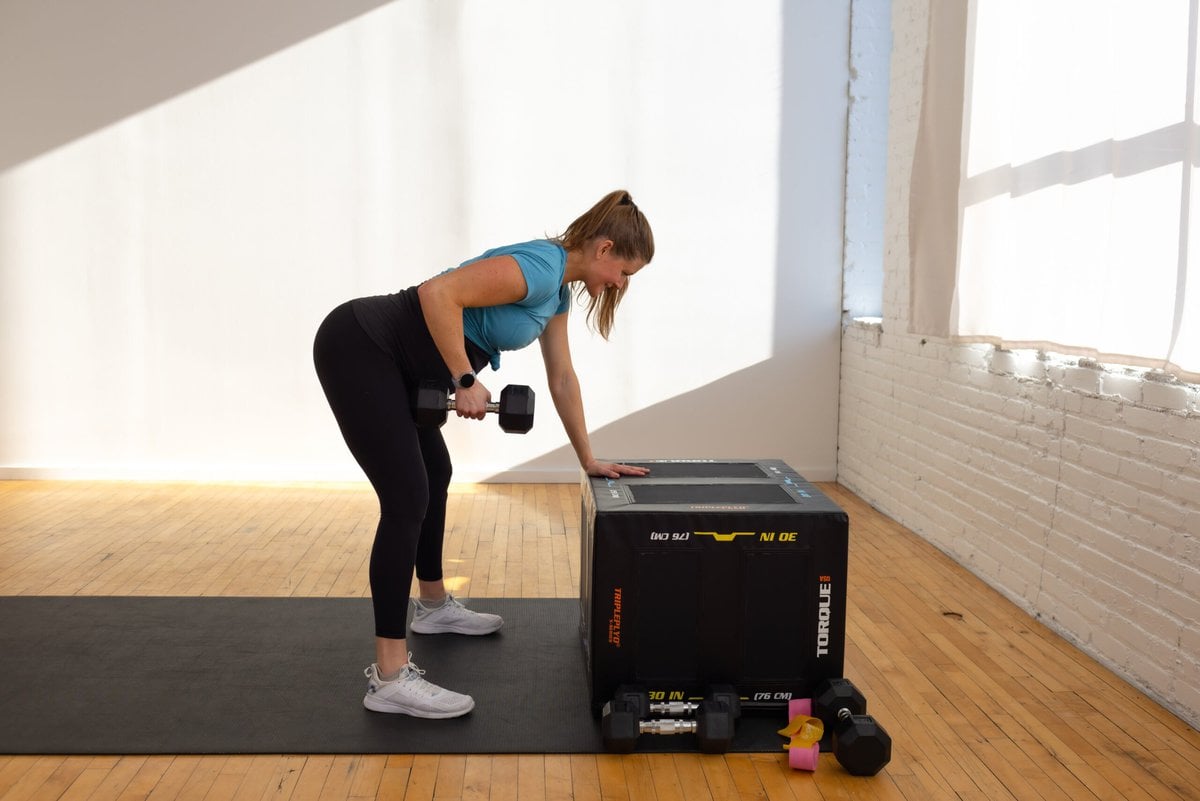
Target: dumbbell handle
<point x="674" y="708"/>
<point x="668" y="726"/>
<point x="493" y="406"/>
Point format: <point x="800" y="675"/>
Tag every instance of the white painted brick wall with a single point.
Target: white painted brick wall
<point x="1073" y="489"/>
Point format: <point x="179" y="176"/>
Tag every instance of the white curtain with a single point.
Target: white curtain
<point x="1074" y="182"/>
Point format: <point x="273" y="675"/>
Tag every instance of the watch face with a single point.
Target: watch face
<point x="466" y="380"/>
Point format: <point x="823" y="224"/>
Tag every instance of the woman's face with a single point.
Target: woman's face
<point x="607" y="270"/>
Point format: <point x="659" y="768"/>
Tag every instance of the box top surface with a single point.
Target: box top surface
<point x="711" y="485"/>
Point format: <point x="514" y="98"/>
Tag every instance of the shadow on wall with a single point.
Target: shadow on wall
<point x="713" y="422"/>
<point x="68" y="69"/>
<point x="784" y="407"/>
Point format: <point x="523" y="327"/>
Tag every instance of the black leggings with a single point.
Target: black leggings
<point x="409" y="467"/>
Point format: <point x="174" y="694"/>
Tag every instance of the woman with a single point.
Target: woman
<point x="371" y="353"/>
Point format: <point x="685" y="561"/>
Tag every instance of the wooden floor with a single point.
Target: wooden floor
<point x="982" y="701"/>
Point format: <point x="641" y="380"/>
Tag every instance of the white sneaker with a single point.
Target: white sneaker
<point x="412" y="695"/>
<point x="452" y="618"/>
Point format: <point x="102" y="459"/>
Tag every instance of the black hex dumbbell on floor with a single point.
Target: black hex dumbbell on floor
<point x="624" y="719"/>
<point x="515" y="408"/>
<point x="860" y="744"/>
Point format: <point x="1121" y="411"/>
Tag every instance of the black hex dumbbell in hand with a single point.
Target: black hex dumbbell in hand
<point x="515" y="408"/>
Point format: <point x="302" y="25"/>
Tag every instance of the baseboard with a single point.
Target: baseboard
<point x="315" y="474"/>
<point x="263" y="474"/>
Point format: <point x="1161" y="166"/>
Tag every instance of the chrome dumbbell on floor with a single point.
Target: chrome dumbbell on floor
<point x="630" y="715"/>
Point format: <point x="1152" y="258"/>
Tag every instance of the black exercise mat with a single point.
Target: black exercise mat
<point x="130" y="675"/>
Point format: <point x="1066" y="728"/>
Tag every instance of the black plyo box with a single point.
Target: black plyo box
<point x="712" y="572"/>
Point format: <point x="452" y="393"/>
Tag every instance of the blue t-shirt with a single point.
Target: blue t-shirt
<point x="515" y="325"/>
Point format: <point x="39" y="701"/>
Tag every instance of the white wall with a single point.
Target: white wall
<point x="1072" y="489"/>
<point x="866" y="157"/>
<point x="183" y="196"/>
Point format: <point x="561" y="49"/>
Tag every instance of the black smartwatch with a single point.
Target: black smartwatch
<point x="465" y="380"/>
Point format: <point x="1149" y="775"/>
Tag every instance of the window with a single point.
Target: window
<point x="1073" y="185"/>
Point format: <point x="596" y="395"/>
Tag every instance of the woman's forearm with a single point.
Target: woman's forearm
<point x="568" y="402"/>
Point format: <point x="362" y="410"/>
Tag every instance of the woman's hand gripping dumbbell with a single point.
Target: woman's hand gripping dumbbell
<point x="515" y="408"/>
